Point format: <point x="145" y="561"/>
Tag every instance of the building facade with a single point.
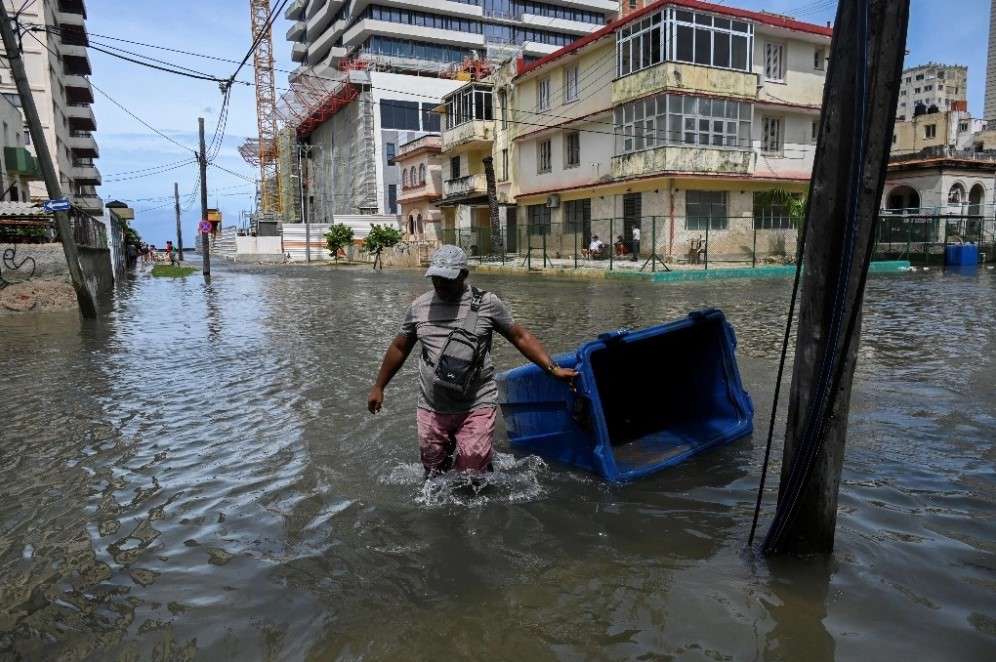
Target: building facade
<point x="421" y="188"/>
<point x="675" y="121"/>
<point x="58" y="68"/>
<point x="18" y="167"/>
<point x="953" y="128"/>
<point x="940" y="86"/>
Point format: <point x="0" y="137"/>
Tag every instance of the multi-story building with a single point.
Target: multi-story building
<point x="678" y="119"/>
<point x="58" y="68"/>
<point x="431" y="35"/>
<point x="421" y="187"/>
<point x="953" y="128"/>
<point x="18" y="168"/>
<point x="941" y="86"/>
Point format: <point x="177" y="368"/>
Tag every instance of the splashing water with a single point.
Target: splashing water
<point x="514" y="480"/>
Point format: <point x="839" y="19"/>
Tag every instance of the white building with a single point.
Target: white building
<point x="942" y="86"/>
<point x="18" y="166"/>
<point x="58" y="68"/>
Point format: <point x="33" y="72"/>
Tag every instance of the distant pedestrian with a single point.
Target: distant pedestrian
<point x="170" y="253"/>
<point x="636" y="242"/>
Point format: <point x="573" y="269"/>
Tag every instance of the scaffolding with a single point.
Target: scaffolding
<point x="267" y="120"/>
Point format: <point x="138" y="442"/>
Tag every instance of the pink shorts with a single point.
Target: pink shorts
<point x="469" y="434"/>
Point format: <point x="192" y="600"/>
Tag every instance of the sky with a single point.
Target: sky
<point x="947" y="31"/>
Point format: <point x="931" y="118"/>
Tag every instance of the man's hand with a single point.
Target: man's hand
<point x="564" y="374"/>
<point x="375" y="400"/>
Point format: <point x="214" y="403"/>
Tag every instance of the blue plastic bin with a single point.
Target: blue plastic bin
<point x="645" y="400"/>
<point x="961" y="255"/>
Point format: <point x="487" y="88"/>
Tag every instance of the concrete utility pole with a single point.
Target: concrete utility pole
<point x="304" y="218"/>
<point x="859" y="107"/>
<point x="179" y="231"/>
<point x="84" y="296"/>
<point x="489" y="177"/>
<point x="205" y="237"/>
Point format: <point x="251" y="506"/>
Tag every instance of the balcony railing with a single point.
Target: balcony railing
<point x="429" y="140"/>
<point x="465" y="186"/>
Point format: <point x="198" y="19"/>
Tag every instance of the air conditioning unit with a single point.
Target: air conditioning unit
<point x="553" y="201"/>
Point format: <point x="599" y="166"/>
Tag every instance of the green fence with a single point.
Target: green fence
<point x="663" y="243"/>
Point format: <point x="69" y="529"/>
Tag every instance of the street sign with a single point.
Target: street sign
<point x="205" y="227"/>
<point x="58" y="204"/>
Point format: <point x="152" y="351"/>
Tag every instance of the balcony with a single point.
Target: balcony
<point x="83" y="144"/>
<point x="604" y="6"/>
<point x="295" y="11"/>
<point x="75" y="60"/>
<point x="469" y="135"/>
<point x="81" y="117"/>
<point x="67" y="18"/>
<point x="429" y="142"/>
<point x="299" y="51"/>
<point x="73" y="7"/>
<point x="89" y="202"/>
<point x="296" y="31"/>
<point x="687" y="78"/>
<point x="559" y="24"/>
<point x="20" y="161"/>
<point x="682" y="159"/>
<point x="86" y="173"/>
<point x="469" y="186"/>
<point x="538" y="49"/>
<point x="78" y="89"/>
<point x="368" y="27"/>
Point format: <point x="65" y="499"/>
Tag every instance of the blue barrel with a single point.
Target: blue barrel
<point x="644" y="400"/>
<point x="961" y="255"/>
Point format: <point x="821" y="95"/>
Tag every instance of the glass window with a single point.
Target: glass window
<point x="640" y="45"/>
<point x="771" y="136"/>
<point x="705" y="209"/>
<point x="455" y="167"/>
<point x="672" y="119"/>
<point x="774" y="62"/>
<point x="392" y="198"/>
<point x="543" y="156"/>
<point x="819" y="59"/>
<point x="543" y="94"/>
<point x="577" y="214"/>
<point x="421" y="173"/>
<point x="572" y="149"/>
<point x="538" y="217"/>
<point x="391" y="149"/>
<point x="770" y="215"/>
<point x="403" y="115"/>
<point x="571" y="83"/>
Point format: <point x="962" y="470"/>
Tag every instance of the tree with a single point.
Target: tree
<point x="381" y="237"/>
<point x="337" y="237"/>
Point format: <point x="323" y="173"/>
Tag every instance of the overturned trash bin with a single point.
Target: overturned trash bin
<point x="645" y="400"/>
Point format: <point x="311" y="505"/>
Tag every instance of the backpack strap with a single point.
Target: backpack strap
<point x="470" y="322"/>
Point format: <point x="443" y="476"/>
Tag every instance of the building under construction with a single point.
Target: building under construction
<point x="370" y="77"/>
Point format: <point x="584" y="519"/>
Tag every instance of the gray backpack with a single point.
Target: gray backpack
<point x="463" y="353"/>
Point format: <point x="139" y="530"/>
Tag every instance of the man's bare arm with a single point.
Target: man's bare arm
<point x="394" y="358"/>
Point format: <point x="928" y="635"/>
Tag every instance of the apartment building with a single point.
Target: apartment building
<point x="58" y="67"/>
<point x="932" y="85"/>
<point x="18" y="168"/>
<point x="676" y="119"/>
<point x="954" y="129"/>
<point x="431" y="35"/>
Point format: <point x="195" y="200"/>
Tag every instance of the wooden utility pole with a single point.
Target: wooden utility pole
<point x="205" y="236"/>
<point x="179" y="231"/>
<point x="859" y="107"/>
<point x="84" y="296"/>
<point x="489" y="176"/>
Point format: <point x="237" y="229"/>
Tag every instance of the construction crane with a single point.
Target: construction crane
<point x="266" y="110"/>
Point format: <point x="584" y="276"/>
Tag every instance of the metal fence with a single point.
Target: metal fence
<point x="88" y="231"/>
<point x="659" y="243"/>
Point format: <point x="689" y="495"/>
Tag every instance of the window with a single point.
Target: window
<point x="471" y="102"/>
<point x="705" y="209"/>
<point x="814" y="131"/>
<point x="893" y="139"/>
<point x="412" y="176"/>
<point x="27" y="136"/>
<point x="962" y="127"/>
<point x="902" y="93"/>
<point x="571" y="84"/>
<point x="577" y="215"/>
<point x="392" y="198"/>
<point x="774" y="62"/>
<point x="404" y="179"/>
<point x="919" y="76"/>
<point x="391" y="150"/>
<point x="672" y="119"/>
<point x="930" y="131"/>
<point x="928" y="88"/>
<point x="421" y="173"/>
<point x="771" y="136"/>
<point x="572" y="149"/>
<point x="455" y="167"/>
<point x="503" y="103"/>
<point x="711" y="40"/>
<point x="916" y="90"/>
<point x="403" y="115"/>
<point x="543" y="154"/>
<point x="430" y="118"/>
<point x="640" y="45"/>
<point x="771" y="215"/>
<point x="543" y="94"/>
<point x="504" y="165"/>
<point x="819" y="59"/>
<point x="538" y="218"/>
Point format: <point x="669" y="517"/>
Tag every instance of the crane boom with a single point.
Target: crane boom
<point x="266" y="107"/>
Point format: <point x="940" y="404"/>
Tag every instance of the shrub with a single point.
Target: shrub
<point x="337" y="237"/>
<point x="381" y="237"/>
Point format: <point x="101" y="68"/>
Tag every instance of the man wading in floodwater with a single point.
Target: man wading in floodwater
<point x="458" y="395"/>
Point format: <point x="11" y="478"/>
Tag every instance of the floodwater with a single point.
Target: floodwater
<point x="195" y="477"/>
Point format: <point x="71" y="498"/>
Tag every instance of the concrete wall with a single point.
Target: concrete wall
<point x="803" y="83"/>
<point x="690" y="78"/>
<point x="96" y="264"/>
<point x="345" y="170"/>
<point x="49" y="259"/>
